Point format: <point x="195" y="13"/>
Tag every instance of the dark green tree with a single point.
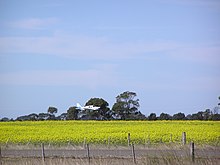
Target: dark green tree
<point x="126" y="106"/>
<point x="103" y="113"/>
<point x="215" y="113"/>
<point x="194" y="116"/>
<point x="164" y="116"/>
<point x="63" y="116"/>
<point x="138" y="116"/>
<point x="33" y="116"/>
<point x="207" y="114"/>
<point x="52" y="110"/>
<point x="22" y="118"/>
<point x="43" y="116"/>
<point x="72" y="113"/>
<point x="5" y="119"/>
<point x="179" y="116"/>
<point x="219" y="100"/>
<point x="152" y="116"/>
<point x="216" y="117"/>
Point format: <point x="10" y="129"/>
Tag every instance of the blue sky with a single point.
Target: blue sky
<point x="58" y="53"/>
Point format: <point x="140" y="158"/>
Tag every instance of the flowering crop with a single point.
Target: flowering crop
<point x="114" y="132"/>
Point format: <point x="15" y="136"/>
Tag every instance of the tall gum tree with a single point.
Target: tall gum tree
<point x="126" y="106"/>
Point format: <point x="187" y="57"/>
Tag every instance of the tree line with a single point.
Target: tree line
<point x="125" y="108"/>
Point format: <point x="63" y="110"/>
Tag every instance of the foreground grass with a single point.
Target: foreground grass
<point x="109" y="161"/>
<point x="72" y="155"/>
<point x="109" y="132"/>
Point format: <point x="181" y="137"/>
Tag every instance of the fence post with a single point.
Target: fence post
<point x="7" y="142"/>
<point x="145" y="142"/>
<point x="129" y="139"/>
<point x="192" y="151"/>
<point x="133" y="154"/>
<point x="148" y="141"/>
<point x="43" y="153"/>
<point x="88" y="154"/>
<point x="171" y="138"/>
<point x="184" y="138"/>
<point x="109" y="142"/>
<point x="68" y="143"/>
<point x="28" y="142"/>
<point x="0" y="155"/>
<point x="161" y="140"/>
<point x="84" y="143"/>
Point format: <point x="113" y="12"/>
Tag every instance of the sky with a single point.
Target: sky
<point x="59" y="53"/>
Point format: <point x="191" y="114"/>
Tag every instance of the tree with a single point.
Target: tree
<point x="138" y="116"/>
<point x="43" y="116"/>
<point x="152" y="116"/>
<point x="126" y="105"/>
<point x="72" y="113"/>
<point x="23" y="118"/>
<point x="188" y="117"/>
<point x="179" y="116"/>
<point x="103" y="113"/>
<point x="194" y="116"/>
<point x="164" y="116"/>
<point x="52" y="110"/>
<point x="215" y="113"/>
<point x="198" y="116"/>
<point x="207" y="114"/>
<point x="216" y="117"/>
<point x="33" y="116"/>
<point x="63" y="116"/>
<point x="5" y="119"/>
<point x="219" y="100"/>
<point x="216" y="109"/>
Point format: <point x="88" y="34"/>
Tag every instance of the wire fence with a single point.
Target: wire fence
<point x="131" y="151"/>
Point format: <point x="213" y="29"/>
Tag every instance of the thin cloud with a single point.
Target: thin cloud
<point x="167" y="83"/>
<point x="91" y="78"/>
<point x="128" y="28"/>
<point x="33" y="23"/>
<point x="94" y="48"/>
<point x="82" y="47"/>
<point x="209" y="54"/>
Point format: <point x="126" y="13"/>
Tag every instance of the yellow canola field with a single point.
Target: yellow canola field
<point x="113" y="132"/>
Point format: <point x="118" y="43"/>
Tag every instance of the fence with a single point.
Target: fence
<point x="89" y="151"/>
<point x="132" y="152"/>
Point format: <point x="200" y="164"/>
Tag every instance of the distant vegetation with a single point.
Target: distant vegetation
<point x="125" y="108"/>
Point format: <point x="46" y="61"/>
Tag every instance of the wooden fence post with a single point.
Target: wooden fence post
<point x="133" y="154"/>
<point x="0" y="155"/>
<point x="129" y="139"/>
<point x="145" y="142"/>
<point x="88" y="154"/>
<point x="7" y="142"/>
<point x="148" y="141"/>
<point x="84" y="143"/>
<point x="184" y="138"/>
<point x="192" y="151"/>
<point x="43" y="152"/>
<point x="161" y="140"/>
<point x="171" y="138"/>
<point x="68" y="143"/>
<point x="109" y="139"/>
